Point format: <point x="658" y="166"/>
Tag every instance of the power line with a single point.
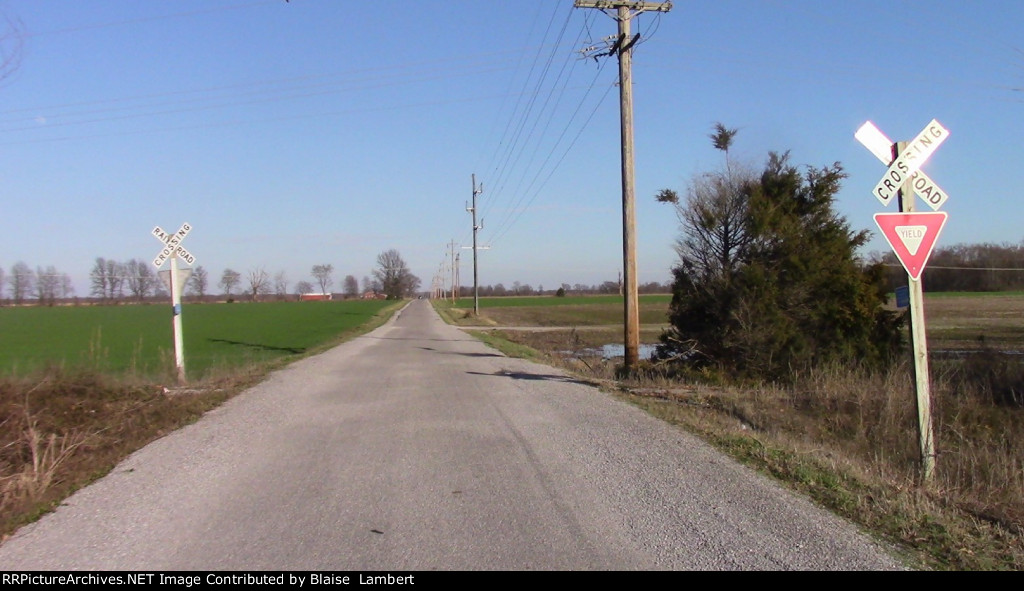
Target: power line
<point x="508" y="226"/>
<point x="896" y="265"/>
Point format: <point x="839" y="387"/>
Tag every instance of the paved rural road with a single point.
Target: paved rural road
<point x="416" y="447"/>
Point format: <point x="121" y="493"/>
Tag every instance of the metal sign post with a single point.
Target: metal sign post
<point x="173" y="251"/>
<point x="912" y="236"/>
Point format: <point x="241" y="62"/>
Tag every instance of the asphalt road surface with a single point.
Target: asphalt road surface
<point x="416" y="447"/>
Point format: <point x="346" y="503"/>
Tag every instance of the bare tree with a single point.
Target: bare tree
<point x="322" y="274"/>
<point x="395" y="278"/>
<point x="714" y="225"/>
<point x="66" y="288"/>
<point x="259" y="283"/>
<point x="714" y="217"/>
<point x="98" y="279"/>
<point x="47" y="283"/>
<point x="107" y="279"/>
<point x="229" y="281"/>
<point x="304" y="287"/>
<point x="281" y="285"/>
<point x="140" y="278"/>
<point x="115" y="280"/>
<point x="351" y="286"/>
<point x="21" y="282"/>
<point x="3" y="280"/>
<point x="199" y="282"/>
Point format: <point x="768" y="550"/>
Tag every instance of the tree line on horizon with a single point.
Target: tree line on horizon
<point x="113" y="282"/>
<point x="963" y="267"/>
<point x="525" y="289"/>
<point x="983" y="267"/>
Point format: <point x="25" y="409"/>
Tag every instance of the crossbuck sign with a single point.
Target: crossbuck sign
<point x="173" y="245"/>
<point x="907" y="165"/>
<point x="174" y="250"/>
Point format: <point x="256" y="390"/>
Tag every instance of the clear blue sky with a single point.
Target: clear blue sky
<point x="290" y="134"/>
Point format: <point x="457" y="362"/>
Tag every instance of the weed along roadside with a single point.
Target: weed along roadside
<point x="71" y="417"/>
<point x="841" y="436"/>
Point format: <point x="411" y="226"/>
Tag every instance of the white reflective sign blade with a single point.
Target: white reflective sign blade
<point x="910" y="161"/>
<point x="881" y="146"/>
<point x="184" y="255"/>
<point x="161" y="235"/>
<point x="928" y="191"/>
<point x="875" y="141"/>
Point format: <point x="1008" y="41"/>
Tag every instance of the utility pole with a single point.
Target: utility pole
<point x="623" y="45"/>
<point x="458" y="278"/>
<point x="476" y="277"/>
<point x="452" y="248"/>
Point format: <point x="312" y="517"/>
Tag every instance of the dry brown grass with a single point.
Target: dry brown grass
<point x="62" y="429"/>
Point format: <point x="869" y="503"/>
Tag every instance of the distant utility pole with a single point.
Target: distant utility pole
<point x="622" y="46"/>
<point x="458" y="277"/>
<point x="453" y="271"/>
<point x="476" y="276"/>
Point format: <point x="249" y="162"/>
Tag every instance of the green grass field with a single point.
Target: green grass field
<point x="138" y="339"/>
<point x="518" y="302"/>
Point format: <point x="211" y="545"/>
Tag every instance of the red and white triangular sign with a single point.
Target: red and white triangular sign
<point x="912" y="236"/>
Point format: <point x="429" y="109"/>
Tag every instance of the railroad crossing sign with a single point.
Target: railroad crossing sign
<point x="174" y="250"/>
<point x="172" y="245"/>
<point x="912" y="236"/>
<point x="906" y="165"/>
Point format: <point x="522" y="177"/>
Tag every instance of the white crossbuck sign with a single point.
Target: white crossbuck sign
<point x="906" y="165"/>
<point x="173" y="245"/>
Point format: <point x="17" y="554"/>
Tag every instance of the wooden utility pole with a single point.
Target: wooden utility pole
<point x="625" y="10"/>
<point x="918" y="344"/>
<point x="476" y="278"/>
<point x="452" y="247"/>
<point x="457" y="292"/>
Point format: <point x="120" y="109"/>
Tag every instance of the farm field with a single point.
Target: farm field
<point x="568" y="311"/>
<point x="955" y="321"/>
<point x="138" y="339"/>
<point x="968" y="321"/>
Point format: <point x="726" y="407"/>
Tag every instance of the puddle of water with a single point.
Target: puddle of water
<point x="958" y="353"/>
<point x="612" y="351"/>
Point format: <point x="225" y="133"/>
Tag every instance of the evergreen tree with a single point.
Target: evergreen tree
<point x="769" y="280"/>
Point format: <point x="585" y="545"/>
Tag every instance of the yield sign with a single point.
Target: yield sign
<point x="912" y="236"/>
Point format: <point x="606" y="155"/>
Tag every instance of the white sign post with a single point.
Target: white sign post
<point x="173" y="251"/>
<point x="903" y="178"/>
